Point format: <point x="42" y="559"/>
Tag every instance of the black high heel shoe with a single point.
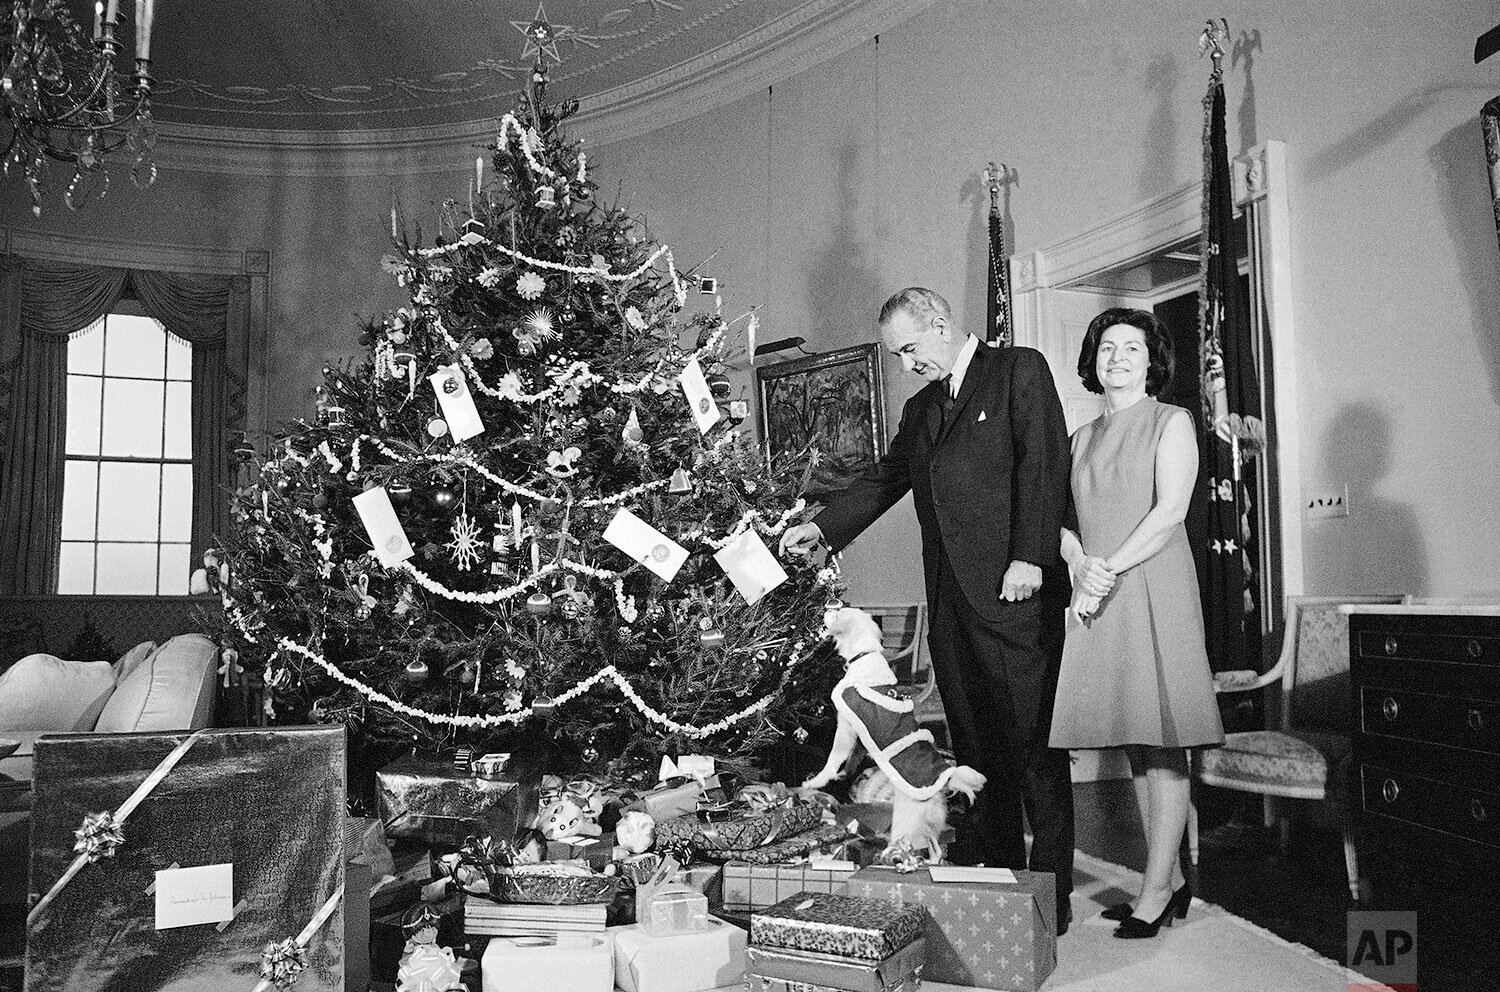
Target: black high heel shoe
<point x="1181" y="899"/>
<point x="1133" y="927"/>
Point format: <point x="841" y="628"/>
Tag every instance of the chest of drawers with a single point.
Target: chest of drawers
<point x="1425" y="694"/>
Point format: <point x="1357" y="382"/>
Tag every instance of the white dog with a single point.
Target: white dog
<point x="873" y="712"/>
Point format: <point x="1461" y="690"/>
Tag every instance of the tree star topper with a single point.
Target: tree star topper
<point x="541" y="34"/>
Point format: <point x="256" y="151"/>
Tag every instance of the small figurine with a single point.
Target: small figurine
<point x="426" y="967"/>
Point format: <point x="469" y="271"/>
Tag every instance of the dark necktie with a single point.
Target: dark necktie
<point x="945" y="407"/>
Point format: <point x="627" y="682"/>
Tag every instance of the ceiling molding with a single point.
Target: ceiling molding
<point x="812" y="33"/>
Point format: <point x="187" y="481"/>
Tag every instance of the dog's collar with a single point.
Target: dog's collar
<point x="864" y="655"/>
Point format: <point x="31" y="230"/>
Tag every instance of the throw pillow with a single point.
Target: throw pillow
<point x="45" y="692"/>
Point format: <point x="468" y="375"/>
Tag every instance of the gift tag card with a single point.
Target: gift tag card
<point x="646" y="544"/>
<point x="962" y="873"/>
<point x="383" y="526"/>
<point x="750" y="566"/>
<point x="457" y="402"/>
<point x="186" y="897"/>
<point x="699" y="397"/>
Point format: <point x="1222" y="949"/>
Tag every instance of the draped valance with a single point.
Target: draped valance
<point x="41" y="304"/>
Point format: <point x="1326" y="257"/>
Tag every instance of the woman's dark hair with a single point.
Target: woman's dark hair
<point x="1158" y="347"/>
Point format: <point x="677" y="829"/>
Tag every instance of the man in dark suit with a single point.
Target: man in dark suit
<point x="984" y="451"/>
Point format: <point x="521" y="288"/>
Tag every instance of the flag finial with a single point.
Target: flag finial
<point x="1214" y="42"/>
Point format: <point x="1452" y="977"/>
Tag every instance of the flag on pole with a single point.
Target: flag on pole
<point x="1234" y="432"/>
<point x="998" y="330"/>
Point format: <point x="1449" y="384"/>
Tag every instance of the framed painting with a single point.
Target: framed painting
<point x="832" y="404"/>
<point x="1489" y="120"/>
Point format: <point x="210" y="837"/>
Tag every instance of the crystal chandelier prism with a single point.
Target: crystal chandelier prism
<point x="64" y="101"/>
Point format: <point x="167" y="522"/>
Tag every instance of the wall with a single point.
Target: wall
<point x="871" y="168"/>
<point x="325" y="237"/>
<point x="859" y="176"/>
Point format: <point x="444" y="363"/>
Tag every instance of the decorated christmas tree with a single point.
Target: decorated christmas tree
<point x="530" y="511"/>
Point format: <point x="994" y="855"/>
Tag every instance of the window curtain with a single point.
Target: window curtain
<point x="41" y="304"/>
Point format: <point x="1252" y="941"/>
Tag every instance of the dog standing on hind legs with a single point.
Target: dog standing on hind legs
<point x="872" y="712"/>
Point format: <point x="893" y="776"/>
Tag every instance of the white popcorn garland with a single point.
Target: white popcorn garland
<point x="751" y="518"/>
<point x="609" y="672"/>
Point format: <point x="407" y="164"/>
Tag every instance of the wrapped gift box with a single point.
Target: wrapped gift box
<point x="749" y="886"/>
<point x="749" y="829"/>
<point x="827" y="838"/>
<point x="268" y="803"/>
<point x="687" y="962"/>
<point x="796" y="970"/>
<point x="565" y="963"/>
<point x="439" y="804"/>
<point x="669" y="800"/>
<point x="848" y="926"/>
<point x="980" y="934"/>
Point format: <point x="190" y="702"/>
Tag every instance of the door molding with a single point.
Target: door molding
<point x="1260" y="184"/>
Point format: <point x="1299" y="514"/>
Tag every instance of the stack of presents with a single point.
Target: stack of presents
<point x="226" y="859"/>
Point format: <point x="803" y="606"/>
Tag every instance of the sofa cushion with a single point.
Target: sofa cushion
<point x="132" y="659"/>
<point x="172" y="689"/>
<point x="46" y="693"/>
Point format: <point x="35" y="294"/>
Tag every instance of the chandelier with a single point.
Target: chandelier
<point x="64" y="101"/>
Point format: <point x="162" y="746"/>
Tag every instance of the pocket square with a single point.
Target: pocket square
<point x="982" y="417"/>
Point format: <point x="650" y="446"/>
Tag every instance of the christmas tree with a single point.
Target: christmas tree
<point x="524" y="513"/>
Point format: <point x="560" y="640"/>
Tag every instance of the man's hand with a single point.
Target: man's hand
<point x="1021" y="580"/>
<point x="801" y="540"/>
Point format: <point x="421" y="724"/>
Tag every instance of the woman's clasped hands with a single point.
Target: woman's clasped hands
<point x="1093" y="580"/>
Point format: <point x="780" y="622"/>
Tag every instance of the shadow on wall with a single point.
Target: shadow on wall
<point x="1162" y="76"/>
<point x="843" y="291"/>
<point x="1379" y="547"/>
<point x="1464" y="186"/>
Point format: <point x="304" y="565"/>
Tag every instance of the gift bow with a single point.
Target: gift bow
<point x="282" y="963"/>
<point x="104" y="833"/>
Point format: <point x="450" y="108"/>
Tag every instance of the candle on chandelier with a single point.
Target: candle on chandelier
<point x="98" y="18"/>
<point x="145" y="10"/>
<point x="112" y="13"/>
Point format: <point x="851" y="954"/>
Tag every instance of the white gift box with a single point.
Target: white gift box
<point x="566" y="963"/>
<point x="684" y="962"/>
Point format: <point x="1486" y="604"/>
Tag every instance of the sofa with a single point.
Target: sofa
<point x="171" y="686"/>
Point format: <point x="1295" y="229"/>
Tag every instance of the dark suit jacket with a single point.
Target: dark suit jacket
<point x="991" y="489"/>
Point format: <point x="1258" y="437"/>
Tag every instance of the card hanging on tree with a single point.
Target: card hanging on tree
<point x="383" y="526"/>
<point x="750" y="566"/>
<point x="699" y="397"/>
<point x="646" y="544"/>
<point x="457" y="402"/>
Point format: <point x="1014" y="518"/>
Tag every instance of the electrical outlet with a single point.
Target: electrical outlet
<point x="1326" y="503"/>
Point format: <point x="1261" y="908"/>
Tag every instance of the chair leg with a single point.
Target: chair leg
<point x="1192" y="834"/>
<point x="1351" y="864"/>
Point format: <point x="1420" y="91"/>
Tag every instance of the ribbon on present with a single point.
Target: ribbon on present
<point x="283" y="962"/>
<point x="102" y="834"/>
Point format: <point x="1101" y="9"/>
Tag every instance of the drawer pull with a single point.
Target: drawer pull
<point x="1390" y="645"/>
<point x="1476" y="810"/>
<point x="1476" y="721"/>
<point x="1475" y="649"/>
<point x="1390" y="790"/>
<point x="1390" y="708"/>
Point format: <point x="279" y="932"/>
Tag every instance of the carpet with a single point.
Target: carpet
<point x="1211" y="951"/>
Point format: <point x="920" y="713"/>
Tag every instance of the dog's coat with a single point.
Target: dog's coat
<point x="884" y="718"/>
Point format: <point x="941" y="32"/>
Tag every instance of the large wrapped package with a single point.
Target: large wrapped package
<point x="984" y="934"/>
<point x="771" y="969"/>
<point x="564" y="963"/>
<point x="181" y="861"/>
<point x="439" y="804"/>
<point x="849" y="927"/>
<point x="754" y="886"/>
<point x="684" y="962"/>
<point x="737" y="830"/>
